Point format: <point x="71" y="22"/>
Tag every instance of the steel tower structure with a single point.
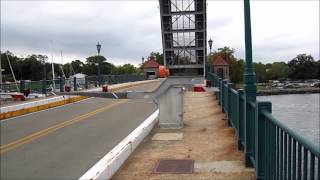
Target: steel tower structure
<point x="183" y="25"/>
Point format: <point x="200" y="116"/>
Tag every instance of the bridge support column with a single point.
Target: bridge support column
<point x="171" y="108"/>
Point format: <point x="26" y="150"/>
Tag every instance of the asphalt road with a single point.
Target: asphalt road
<point x="64" y="142"/>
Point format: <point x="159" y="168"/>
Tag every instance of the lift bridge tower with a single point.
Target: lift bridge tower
<point x="183" y="25"/>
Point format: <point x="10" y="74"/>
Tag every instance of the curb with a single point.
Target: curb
<point x="19" y="112"/>
<point x="131" y="85"/>
<point x="112" y="161"/>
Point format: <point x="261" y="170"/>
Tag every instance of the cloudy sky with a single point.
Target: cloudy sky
<point x="130" y="29"/>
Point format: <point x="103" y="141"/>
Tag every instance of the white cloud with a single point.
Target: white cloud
<point x="129" y="30"/>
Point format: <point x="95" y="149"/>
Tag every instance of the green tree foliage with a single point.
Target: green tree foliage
<point x="236" y="66"/>
<point x="124" y="69"/>
<point x="236" y="70"/>
<point x="32" y="67"/>
<point x="159" y="57"/>
<point x="226" y="53"/>
<point x="92" y="63"/>
<point x="260" y="70"/>
<point x="303" y="67"/>
<point x="277" y="70"/>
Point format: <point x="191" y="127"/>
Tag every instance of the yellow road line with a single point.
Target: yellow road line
<point x="34" y="136"/>
<point x="10" y="114"/>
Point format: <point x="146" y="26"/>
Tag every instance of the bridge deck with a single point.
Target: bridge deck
<point x="64" y="142"/>
<point x="207" y="140"/>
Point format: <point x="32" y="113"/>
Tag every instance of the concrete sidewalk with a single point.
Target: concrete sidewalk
<point x="207" y="140"/>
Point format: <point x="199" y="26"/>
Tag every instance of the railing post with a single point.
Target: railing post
<point x="222" y="95"/>
<point x="261" y="154"/>
<point x="249" y="122"/>
<point x="96" y="82"/>
<point x="241" y="121"/>
<point x="61" y="83"/>
<point x="75" y="88"/>
<point x="221" y="91"/>
<point x="230" y="85"/>
<point x="44" y="87"/>
<point x="86" y="82"/>
<point x="22" y="85"/>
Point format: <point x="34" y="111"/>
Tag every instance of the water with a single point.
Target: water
<point x="299" y="112"/>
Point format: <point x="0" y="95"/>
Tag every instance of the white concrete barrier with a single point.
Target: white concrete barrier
<point x="32" y="104"/>
<point x="115" y="87"/>
<point x="112" y="161"/>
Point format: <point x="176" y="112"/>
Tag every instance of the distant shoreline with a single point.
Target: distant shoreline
<point x="307" y="90"/>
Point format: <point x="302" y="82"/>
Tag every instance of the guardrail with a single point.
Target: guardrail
<point x="74" y="83"/>
<point x="276" y="151"/>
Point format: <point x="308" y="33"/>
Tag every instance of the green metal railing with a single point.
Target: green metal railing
<point x="75" y="84"/>
<point x="276" y="151"/>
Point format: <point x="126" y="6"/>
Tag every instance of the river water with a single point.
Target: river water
<point x="299" y="111"/>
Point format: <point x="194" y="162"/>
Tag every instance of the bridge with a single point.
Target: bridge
<point x="159" y="129"/>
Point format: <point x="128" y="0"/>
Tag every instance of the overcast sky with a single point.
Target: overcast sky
<point x="130" y="29"/>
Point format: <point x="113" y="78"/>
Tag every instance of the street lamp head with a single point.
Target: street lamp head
<point x="98" y="48"/>
<point x="210" y="43"/>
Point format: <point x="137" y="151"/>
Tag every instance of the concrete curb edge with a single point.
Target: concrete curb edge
<point x="106" y="167"/>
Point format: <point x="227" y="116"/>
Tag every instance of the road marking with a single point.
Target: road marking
<point x="34" y="136"/>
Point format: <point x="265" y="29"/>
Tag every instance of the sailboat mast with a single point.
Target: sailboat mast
<point x="63" y="75"/>
<point x="14" y="77"/>
<point x="0" y="74"/>
<point x="52" y="65"/>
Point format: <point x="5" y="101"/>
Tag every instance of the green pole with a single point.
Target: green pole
<point x="249" y="89"/>
<point x="249" y="76"/>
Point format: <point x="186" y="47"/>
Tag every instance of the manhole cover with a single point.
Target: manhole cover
<point x="177" y="166"/>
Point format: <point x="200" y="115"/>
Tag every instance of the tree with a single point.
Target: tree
<point x="236" y="66"/>
<point x="260" y="70"/>
<point x="90" y="68"/>
<point x="15" y="63"/>
<point x="226" y="53"/>
<point x="124" y="69"/>
<point x="277" y="70"/>
<point x="159" y="57"/>
<point x="32" y="67"/>
<point x="236" y="70"/>
<point x="303" y="67"/>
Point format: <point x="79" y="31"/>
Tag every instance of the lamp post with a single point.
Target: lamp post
<point x="210" y="45"/>
<point x="249" y="85"/>
<point x="98" y="62"/>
